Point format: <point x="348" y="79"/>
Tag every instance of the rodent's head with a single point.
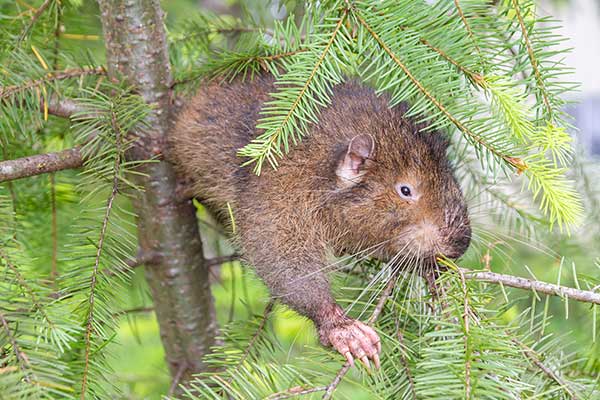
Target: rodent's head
<point x="396" y="195"/>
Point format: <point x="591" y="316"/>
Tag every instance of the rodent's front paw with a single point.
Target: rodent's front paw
<point x="353" y="339"/>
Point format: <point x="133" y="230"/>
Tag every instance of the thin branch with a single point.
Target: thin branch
<point x="133" y="311"/>
<point x="527" y="351"/>
<point x="40" y="164"/>
<point x="213" y="262"/>
<point x="468" y="27"/>
<point x="533" y="60"/>
<point x="585" y="296"/>
<point x="100" y="247"/>
<point x="207" y="31"/>
<point x="473" y="76"/>
<point x="27" y="288"/>
<point x="22" y="360"/>
<point x="254" y="338"/>
<point x="466" y="321"/>
<point x="141" y="259"/>
<point x="8" y="91"/>
<point x="387" y="291"/>
<point x="64" y="107"/>
<point x="404" y="361"/>
<point x="260" y="59"/>
<point x="54" y="231"/>
<point x="177" y="378"/>
<point x="38" y="13"/>
<point x="535" y="359"/>
<point x="295" y="392"/>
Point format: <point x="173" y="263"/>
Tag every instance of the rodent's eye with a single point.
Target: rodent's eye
<point x="406" y="192"/>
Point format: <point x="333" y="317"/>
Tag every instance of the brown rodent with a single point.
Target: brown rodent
<point x="364" y="178"/>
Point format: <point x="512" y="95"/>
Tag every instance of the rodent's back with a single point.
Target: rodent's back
<point x="217" y="122"/>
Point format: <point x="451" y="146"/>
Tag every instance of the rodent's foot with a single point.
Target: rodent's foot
<point x="353" y="339"/>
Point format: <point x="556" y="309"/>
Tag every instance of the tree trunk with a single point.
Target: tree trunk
<point x="136" y="50"/>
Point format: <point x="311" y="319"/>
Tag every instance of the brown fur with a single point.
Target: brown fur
<point x="288" y="219"/>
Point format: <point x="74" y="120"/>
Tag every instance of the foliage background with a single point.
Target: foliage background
<point x="137" y="357"/>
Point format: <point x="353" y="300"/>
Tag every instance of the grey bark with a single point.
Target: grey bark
<point x="136" y="50"/>
<point x="40" y="164"/>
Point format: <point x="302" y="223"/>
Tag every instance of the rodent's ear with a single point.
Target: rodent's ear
<point x="353" y="166"/>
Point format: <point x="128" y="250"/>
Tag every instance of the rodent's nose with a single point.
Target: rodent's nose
<point x="458" y="242"/>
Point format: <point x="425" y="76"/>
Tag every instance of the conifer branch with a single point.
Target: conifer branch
<point x="535" y="359"/>
<point x="269" y="143"/>
<point x="466" y="338"/>
<point x="27" y="288"/>
<point x="532" y="58"/>
<point x="53" y="230"/>
<point x="20" y="356"/>
<point x="474" y="77"/>
<point x="467" y="27"/>
<point x="246" y="60"/>
<point x="100" y="248"/>
<point x="36" y="15"/>
<point x="385" y="295"/>
<point x="515" y="162"/>
<point x="8" y="91"/>
<point x="275" y="136"/>
<point x="537" y="286"/>
<point x="295" y="392"/>
<point x="248" y="350"/>
<point x="529" y="353"/>
<point x="40" y="164"/>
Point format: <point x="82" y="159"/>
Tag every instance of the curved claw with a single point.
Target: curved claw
<point x="354" y="340"/>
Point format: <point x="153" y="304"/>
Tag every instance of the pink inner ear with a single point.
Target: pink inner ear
<point x="360" y="148"/>
<point x="356" y="161"/>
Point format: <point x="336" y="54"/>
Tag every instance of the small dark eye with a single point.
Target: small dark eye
<point x="405" y="190"/>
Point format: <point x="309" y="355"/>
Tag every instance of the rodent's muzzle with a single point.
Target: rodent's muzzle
<point x="458" y="241"/>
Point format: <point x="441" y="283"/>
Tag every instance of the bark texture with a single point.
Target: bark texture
<point x="136" y="50"/>
<point x="40" y="164"/>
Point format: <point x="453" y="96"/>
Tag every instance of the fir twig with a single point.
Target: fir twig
<point x="8" y="91"/>
<point x="100" y="247"/>
<point x="259" y="330"/>
<point x="295" y="392"/>
<point x="27" y="288"/>
<point x="532" y="58"/>
<point x="466" y="338"/>
<point x="535" y="359"/>
<point x="467" y="26"/>
<point x="53" y="230"/>
<point x="36" y="15"/>
<point x="385" y="295"/>
<point x="20" y="356"/>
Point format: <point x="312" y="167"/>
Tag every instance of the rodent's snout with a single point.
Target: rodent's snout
<point x="452" y="242"/>
<point x="458" y="241"/>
